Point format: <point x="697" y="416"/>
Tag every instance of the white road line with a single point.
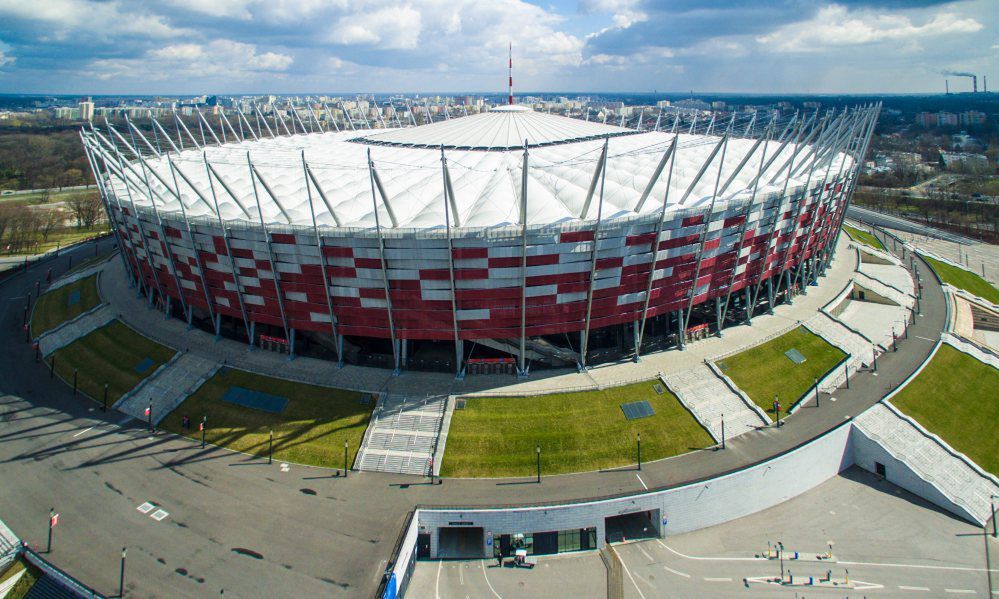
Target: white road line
<point x="85" y="430"/>
<point x="960" y="591"/>
<point x="483" y="564"/>
<point x="461" y="576"/>
<point x="437" y="585"/>
<point x="955" y="568"/>
<point x="628" y="572"/>
<point x="651" y="559"/>
<point x="642" y="481"/>
<point x="905" y="588"/>
<point x="706" y="579"/>
<point x="677" y="572"/>
<point x="712" y="559"/>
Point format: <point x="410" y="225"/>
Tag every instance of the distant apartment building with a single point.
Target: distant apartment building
<point x="86" y="110"/>
<point x="67" y="112"/>
<point x="663" y="104"/>
<point x="956" y="160"/>
<point x="972" y="117"/>
<point x="927" y="120"/>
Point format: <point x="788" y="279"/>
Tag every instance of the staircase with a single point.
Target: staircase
<point x="402" y="436"/>
<point x="708" y="397"/>
<point x="168" y="387"/>
<point x="72" y="330"/>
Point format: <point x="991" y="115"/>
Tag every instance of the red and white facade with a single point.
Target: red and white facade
<point x="423" y="234"/>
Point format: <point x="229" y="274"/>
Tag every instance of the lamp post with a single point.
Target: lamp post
<point x="121" y="575"/>
<point x="345" y="459"/>
<point x="52" y="515"/>
<point x="104" y="407"/>
<point x="816" y="393"/>
<point x="995" y="533"/>
<point x="777" y="409"/>
<point x="780" y="556"/>
<point x="270" y="448"/>
<point x="204" y="422"/>
<point x="723" y="430"/>
<point x="639" y="442"/>
<point x="537" y="449"/>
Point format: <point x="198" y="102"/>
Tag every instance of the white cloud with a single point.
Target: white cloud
<point x="93" y="18"/>
<point x="390" y="28"/>
<point x="835" y="26"/>
<point x="624" y="12"/>
<point x="219" y="58"/>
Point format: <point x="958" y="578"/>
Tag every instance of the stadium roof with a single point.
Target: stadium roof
<point x="563" y="157"/>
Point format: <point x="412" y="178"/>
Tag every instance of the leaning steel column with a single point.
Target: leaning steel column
<point x="105" y="200"/>
<point x="593" y="256"/>
<point x="449" y="204"/>
<point x="523" y="265"/>
<point x="381" y="255"/>
<point x="194" y="247"/>
<point x="270" y="250"/>
<point x="322" y="263"/>
<point x="670" y="155"/>
<point x="228" y="252"/>
<point x="855" y="167"/>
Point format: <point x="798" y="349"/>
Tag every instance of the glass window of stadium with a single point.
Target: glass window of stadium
<point x="545" y="543"/>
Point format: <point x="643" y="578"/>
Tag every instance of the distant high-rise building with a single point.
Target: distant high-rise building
<point x="87" y="110"/>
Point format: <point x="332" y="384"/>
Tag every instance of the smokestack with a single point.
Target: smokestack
<point x="974" y="84"/>
<point x="946" y="87"/>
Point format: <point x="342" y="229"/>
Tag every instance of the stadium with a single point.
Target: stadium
<point x="503" y="241"/>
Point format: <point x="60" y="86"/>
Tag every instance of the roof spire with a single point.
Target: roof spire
<point x="510" y="99"/>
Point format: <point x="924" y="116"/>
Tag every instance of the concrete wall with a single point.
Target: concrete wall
<point x="683" y="509"/>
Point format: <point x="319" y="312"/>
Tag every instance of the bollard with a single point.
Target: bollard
<point x="74" y="381"/>
<point x="52" y="366"/>
<point x="846" y="371"/>
<point x="104" y="408"/>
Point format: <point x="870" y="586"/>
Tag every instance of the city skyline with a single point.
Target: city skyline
<point x="625" y="46"/>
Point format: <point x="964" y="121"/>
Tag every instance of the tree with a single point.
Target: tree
<point x="86" y="208"/>
<point x="51" y="220"/>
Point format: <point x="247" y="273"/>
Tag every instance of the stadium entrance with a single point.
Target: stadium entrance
<point x="460" y="542"/>
<point x="635" y="525"/>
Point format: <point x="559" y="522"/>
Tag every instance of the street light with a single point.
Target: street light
<point x="780" y="556"/>
<point x="270" y="448"/>
<point x="345" y="459"/>
<point x="537" y="448"/>
<point x="121" y="576"/>
<point x="995" y="533"/>
<point x="48" y="549"/>
<point x="639" y="451"/>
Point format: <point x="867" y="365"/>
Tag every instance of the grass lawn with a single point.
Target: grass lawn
<point x="112" y="354"/>
<point x="25" y="583"/>
<point x="963" y="279"/>
<point x="957" y="398"/>
<point x="310" y="430"/>
<point x="53" y="308"/>
<point x="764" y="371"/>
<point x="863" y="237"/>
<point x="496" y="436"/>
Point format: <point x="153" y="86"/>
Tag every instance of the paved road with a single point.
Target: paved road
<point x="59" y="452"/>
<point x="901" y="224"/>
<point x="900" y="544"/>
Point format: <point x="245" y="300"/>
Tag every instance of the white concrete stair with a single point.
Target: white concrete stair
<point x="840" y="335"/>
<point x="168" y="387"/>
<point x="402" y="436"/>
<point x="888" y="281"/>
<point x="70" y="331"/>
<point x="708" y="397"/>
<point x="930" y="459"/>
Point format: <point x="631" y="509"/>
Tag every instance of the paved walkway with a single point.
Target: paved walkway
<point x="168" y="387"/>
<point x="69" y="332"/>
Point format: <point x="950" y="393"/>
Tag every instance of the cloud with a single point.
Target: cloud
<point x="396" y="28"/>
<point x="220" y="57"/>
<point x="836" y="26"/>
<point x="65" y="17"/>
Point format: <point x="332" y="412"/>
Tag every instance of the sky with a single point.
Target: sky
<point x="419" y="46"/>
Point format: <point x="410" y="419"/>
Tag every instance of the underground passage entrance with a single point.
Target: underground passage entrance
<point x="459" y="542"/>
<point x="628" y="527"/>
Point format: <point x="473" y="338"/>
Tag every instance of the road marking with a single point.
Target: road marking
<point x="437" y="585"/>
<point x="461" y="576"/>
<point x="677" y="572"/>
<point x="83" y="431"/>
<point x="955" y="568"/>
<point x="713" y="559"/>
<point x="628" y="572"/>
<point x="706" y="579"/>
<point x="285" y="468"/>
<point x="651" y="559"/>
<point x="483" y="564"/>
<point x="905" y="588"/>
<point x="924" y="338"/>
<point x="642" y="481"/>
<point x="146" y="507"/>
<point x="159" y="515"/>
<point x="960" y="591"/>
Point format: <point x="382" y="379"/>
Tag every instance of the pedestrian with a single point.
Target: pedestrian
<point x="186" y="422"/>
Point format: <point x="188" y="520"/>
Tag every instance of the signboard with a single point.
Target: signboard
<point x="55" y="519"/>
<point x="489" y="539"/>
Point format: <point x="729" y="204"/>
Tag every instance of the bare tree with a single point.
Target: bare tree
<point x="86" y="208"/>
<point x="7" y="212"/>
<point x="50" y="221"/>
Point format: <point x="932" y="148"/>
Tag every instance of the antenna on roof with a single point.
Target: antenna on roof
<point x="510" y="99"/>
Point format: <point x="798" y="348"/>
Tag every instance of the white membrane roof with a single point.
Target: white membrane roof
<point x="486" y="184"/>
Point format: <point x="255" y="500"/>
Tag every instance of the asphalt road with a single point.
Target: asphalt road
<point x="255" y="530"/>
<point x="901" y="224"/>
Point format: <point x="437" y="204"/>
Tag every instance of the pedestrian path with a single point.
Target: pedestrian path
<point x="168" y="387"/>
<point x="894" y="282"/>
<point x="76" y="276"/>
<point x="852" y="342"/>
<point x="948" y="471"/>
<point x="402" y="435"/>
<point x="709" y="398"/>
<point x="70" y="331"/>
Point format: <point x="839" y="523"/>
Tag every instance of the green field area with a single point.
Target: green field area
<point x="577" y="432"/>
<point x="311" y="429"/>
<point x="54" y="308"/>
<point x="113" y="354"/>
<point x="863" y="237"/>
<point x="764" y="371"/>
<point x="28" y="580"/>
<point x="957" y="398"/>
<point x="963" y="279"/>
